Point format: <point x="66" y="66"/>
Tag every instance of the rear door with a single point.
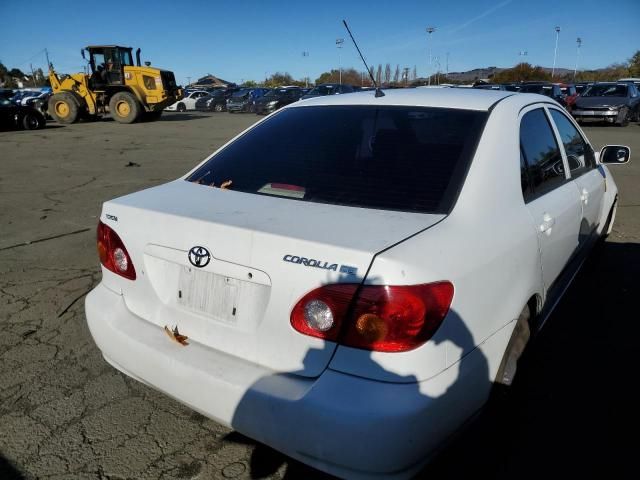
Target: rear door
<point x="552" y="200"/>
<point x="589" y="180"/>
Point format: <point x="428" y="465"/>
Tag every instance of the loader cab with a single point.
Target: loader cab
<point x="107" y="64"/>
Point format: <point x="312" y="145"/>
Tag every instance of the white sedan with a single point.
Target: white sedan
<point x="348" y="279"/>
<point x="188" y="102"/>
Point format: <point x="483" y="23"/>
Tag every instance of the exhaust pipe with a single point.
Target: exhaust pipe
<point x="138" y="57"/>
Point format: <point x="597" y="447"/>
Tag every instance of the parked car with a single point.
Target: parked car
<point x="489" y="86"/>
<point x="570" y="94"/>
<point x="635" y="81"/>
<point x="342" y="281"/>
<point x="215" y="101"/>
<point x="13" y="116"/>
<point x="244" y="99"/>
<point x="550" y="90"/>
<point x="511" y="87"/>
<point x="617" y="103"/>
<point x="276" y="99"/>
<point x="188" y="102"/>
<point x="580" y="87"/>
<point x="329" y="89"/>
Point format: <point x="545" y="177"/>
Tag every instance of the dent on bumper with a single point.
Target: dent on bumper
<point x="345" y="425"/>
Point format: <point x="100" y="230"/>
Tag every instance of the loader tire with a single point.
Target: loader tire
<point x="124" y="108"/>
<point x="64" y="108"/>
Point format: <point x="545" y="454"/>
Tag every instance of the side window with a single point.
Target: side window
<point x="541" y="153"/>
<point x="525" y="181"/>
<point x="580" y="156"/>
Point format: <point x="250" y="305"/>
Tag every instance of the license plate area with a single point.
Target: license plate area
<point x="209" y="294"/>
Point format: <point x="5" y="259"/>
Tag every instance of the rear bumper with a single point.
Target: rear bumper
<point x="345" y="425"/>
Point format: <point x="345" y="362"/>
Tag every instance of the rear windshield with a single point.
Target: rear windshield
<point x="540" y="89"/>
<point x="391" y="158"/>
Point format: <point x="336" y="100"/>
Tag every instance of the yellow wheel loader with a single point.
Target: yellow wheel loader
<point x="128" y="92"/>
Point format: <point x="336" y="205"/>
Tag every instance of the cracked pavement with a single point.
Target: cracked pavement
<point x="64" y="412"/>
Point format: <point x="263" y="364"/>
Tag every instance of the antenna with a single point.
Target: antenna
<point x="379" y="92"/>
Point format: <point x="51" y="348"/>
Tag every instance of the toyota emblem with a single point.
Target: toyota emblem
<point x="199" y="257"/>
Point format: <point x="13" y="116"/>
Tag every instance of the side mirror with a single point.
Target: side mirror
<point x="615" y="154"/>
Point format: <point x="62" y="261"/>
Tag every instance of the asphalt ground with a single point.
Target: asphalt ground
<point x="65" y="413"/>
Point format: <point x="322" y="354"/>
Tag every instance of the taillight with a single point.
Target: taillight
<point x="384" y="318"/>
<point x="113" y="254"/>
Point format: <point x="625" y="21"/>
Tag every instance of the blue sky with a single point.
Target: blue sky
<point x="250" y="39"/>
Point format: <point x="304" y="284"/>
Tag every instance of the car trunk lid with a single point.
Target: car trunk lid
<point x="265" y="253"/>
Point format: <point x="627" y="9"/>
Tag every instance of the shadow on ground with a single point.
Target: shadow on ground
<point x="8" y="471"/>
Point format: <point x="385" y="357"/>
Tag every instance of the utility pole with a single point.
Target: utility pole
<point x="430" y="30"/>
<point x="555" y="53"/>
<point x="33" y="75"/>
<point x="46" y="53"/>
<point x="339" y="42"/>
<point x="306" y="78"/>
<point x="188" y="81"/>
<point x="575" y="70"/>
<point x="447" y="64"/>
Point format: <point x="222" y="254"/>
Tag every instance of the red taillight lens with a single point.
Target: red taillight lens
<point x="382" y="318"/>
<point x="113" y="254"/>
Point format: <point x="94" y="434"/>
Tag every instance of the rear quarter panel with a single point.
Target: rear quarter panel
<point x="487" y="247"/>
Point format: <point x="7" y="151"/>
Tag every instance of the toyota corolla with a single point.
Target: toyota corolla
<point x="348" y="279"/>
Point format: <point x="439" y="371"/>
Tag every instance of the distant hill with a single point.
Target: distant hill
<point x="488" y="72"/>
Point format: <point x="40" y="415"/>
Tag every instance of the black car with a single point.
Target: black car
<point x="489" y="86"/>
<point x="549" y="89"/>
<point x="329" y="89"/>
<point x="244" y="99"/>
<point x="612" y="102"/>
<point x="14" y="116"/>
<point x="277" y="98"/>
<point x="216" y="101"/>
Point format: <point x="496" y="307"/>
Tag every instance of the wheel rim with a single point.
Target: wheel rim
<point x="62" y="109"/>
<point x="123" y="109"/>
<point x="32" y="121"/>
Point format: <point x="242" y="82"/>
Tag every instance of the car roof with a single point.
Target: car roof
<point x="458" y="98"/>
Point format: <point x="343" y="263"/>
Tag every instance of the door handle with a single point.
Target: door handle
<point x="547" y="223"/>
<point x="584" y="196"/>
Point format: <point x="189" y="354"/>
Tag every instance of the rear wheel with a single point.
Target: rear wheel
<point x="517" y="343"/>
<point x="64" y="108"/>
<point x="124" y="107"/>
<point x="181" y="107"/>
<point x="33" y="121"/>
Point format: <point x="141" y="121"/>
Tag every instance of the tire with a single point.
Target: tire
<point x="515" y="348"/>
<point x="623" y="118"/>
<point x="64" y="108"/>
<point x="218" y="108"/>
<point x="124" y="107"/>
<point x="181" y="107"/>
<point x="33" y="121"/>
<point x="609" y="223"/>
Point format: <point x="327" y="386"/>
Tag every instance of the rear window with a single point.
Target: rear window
<point x="391" y="158"/>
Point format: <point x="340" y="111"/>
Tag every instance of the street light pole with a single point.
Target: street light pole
<point x="306" y="78"/>
<point x="430" y="30"/>
<point x="575" y="70"/>
<point x="555" y="53"/>
<point x="339" y="42"/>
<point x="522" y="53"/>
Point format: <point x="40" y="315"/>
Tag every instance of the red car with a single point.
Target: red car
<point x="570" y="94"/>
